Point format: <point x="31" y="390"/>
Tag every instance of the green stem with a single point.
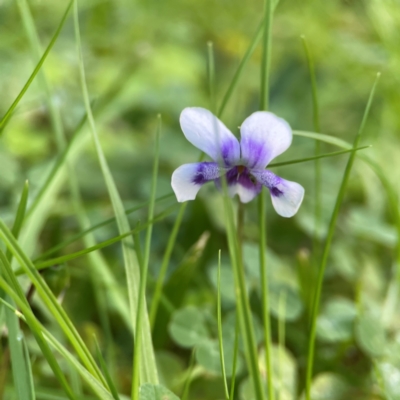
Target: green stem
<point x="325" y="254"/>
<point x="317" y="178"/>
<point x="266" y="55"/>
<point x="219" y="319"/>
<point x="264" y="104"/>
<point x="265" y="293"/>
<point x="164" y="265"/>
<point x="235" y="357"/>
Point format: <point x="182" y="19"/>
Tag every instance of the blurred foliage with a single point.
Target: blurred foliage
<point x="144" y="58"/>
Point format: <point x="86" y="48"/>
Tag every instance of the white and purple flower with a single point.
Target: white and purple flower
<point x="264" y="136"/>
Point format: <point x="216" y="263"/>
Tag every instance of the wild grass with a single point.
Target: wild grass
<point x="110" y="289"/>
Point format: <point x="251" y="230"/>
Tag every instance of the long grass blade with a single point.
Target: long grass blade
<point x="14" y="291"/>
<point x="10" y="111"/>
<point x="20" y="364"/>
<point x="130" y="259"/>
<point x="313" y="158"/>
<point x="317" y="150"/>
<point x="141" y="311"/>
<point x="51" y="302"/>
<point x="325" y="254"/>
<point x="92" y="228"/>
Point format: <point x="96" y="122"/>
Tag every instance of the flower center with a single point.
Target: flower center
<point x="240" y="168"/>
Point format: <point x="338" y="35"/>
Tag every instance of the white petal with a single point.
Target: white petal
<point x="263" y="137"/>
<point x="287" y="203"/>
<point x="187" y="180"/>
<point x="205" y="131"/>
<point x="245" y="194"/>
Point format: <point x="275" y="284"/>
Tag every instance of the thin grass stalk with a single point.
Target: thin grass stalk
<point x="188" y="380"/>
<point x="281" y="338"/>
<point x="220" y="336"/>
<point x="264" y="104"/>
<point x="164" y="265"/>
<point x="317" y="150"/>
<point x="235" y="357"/>
<point x="94" y="227"/>
<point x="10" y="111"/>
<point x="141" y="314"/>
<point x="325" y="254"/>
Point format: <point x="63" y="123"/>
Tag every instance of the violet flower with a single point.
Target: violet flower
<point x="264" y="136"/>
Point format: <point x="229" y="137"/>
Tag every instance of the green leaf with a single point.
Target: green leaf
<point x="155" y="392"/>
<point x="335" y="323"/>
<point x="328" y="386"/>
<point x="370" y="335"/>
<point x="294" y="305"/>
<point x="188" y="327"/>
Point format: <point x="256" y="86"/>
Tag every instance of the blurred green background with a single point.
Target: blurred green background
<point x="144" y="58"/>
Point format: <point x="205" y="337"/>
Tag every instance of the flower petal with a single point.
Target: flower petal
<point x="263" y="137"/>
<point x="286" y="196"/>
<point x="242" y="184"/>
<point x="205" y="131"/>
<point x="188" y="178"/>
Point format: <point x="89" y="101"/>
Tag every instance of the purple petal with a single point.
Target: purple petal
<point x="243" y="184"/>
<point x="205" y="131"/>
<point x="263" y="137"/>
<point x="188" y="178"/>
<point x="286" y="196"/>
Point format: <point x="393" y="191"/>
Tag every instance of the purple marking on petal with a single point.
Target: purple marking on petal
<point x="257" y="151"/>
<point x="228" y="153"/>
<point x="242" y="176"/>
<point x="268" y="179"/>
<point x="275" y="192"/>
<point x="206" y="171"/>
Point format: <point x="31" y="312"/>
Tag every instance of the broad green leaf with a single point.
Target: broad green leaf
<point x="328" y="386"/>
<point x="335" y="323"/>
<point x="390" y="375"/>
<point x="188" y="327"/>
<point x="294" y="305"/>
<point x="370" y="335"/>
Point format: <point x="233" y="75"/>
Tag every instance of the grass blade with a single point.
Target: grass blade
<point x="219" y="318"/>
<point x="317" y="178"/>
<point x="141" y="310"/>
<point x="20" y="364"/>
<point x="85" y="232"/>
<point x="50" y="301"/>
<point x="62" y="259"/>
<point x="10" y="111"/>
<point x="15" y="292"/>
<point x="240" y="69"/>
<point x="301" y="160"/>
<point x="262" y="215"/>
<point x="331" y="230"/>
<point x="104" y="368"/>
<point x="130" y="260"/>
